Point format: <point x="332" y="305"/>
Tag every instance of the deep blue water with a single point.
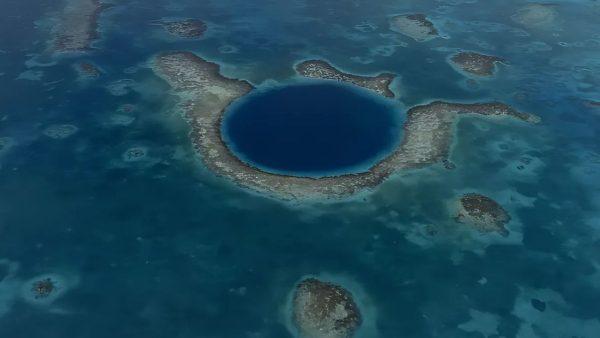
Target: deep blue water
<point x="163" y="248"/>
<point x="311" y="129"/>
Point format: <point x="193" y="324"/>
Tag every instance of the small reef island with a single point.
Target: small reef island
<point x="415" y="26"/>
<point x="205" y="95"/>
<point x="77" y="25"/>
<point x="318" y="69"/>
<point x="482" y="213"/>
<point x="324" y="310"/>
<point x="43" y="288"/>
<point x="475" y="63"/>
<point x="187" y="29"/>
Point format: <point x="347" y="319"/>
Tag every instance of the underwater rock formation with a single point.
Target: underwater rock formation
<point x="475" y="63"/>
<point x="320" y="69"/>
<point x="482" y="213"/>
<point x="415" y="26"/>
<point x="324" y="310"/>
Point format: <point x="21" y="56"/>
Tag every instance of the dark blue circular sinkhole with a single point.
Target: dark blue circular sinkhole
<point x="311" y="129"/>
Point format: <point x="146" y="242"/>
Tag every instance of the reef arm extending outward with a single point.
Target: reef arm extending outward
<point x="320" y="69"/>
<point x="206" y="94"/>
<point x="77" y="25"/>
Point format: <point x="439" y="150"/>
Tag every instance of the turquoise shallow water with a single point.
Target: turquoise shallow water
<point x="160" y="247"/>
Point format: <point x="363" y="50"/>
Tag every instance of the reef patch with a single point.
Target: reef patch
<point x="475" y="63"/>
<point x="324" y="310"/>
<point x="187" y="29"/>
<point x="43" y="290"/>
<point x="482" y="213"/>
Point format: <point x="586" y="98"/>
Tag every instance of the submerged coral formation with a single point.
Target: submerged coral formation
<point x="189" y="28"/>
<point x="205" y="95"/>
<point x="324" y="310"/>
<point x="60" y="131"/>
<point x="322" y="70"/>
<point x="134" y="154"/>
<point x="415" y="26"/>
<point x="482" y="213"/>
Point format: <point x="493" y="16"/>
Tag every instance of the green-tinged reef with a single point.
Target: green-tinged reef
<point x="188" y="28"/>
<point x="482" y="213"/>
<point x="475" y="63"/>
<point x="205" y="95"/>
<point x="415" y="26"/>
<point x="324" y="310"/>
<point x="77" y="25"/>
<point x="319" y="69"/>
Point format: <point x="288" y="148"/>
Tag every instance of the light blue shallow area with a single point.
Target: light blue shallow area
<point x="160" y="247"/>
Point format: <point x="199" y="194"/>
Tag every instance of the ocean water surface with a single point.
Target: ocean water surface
<point x="156" y="245"/>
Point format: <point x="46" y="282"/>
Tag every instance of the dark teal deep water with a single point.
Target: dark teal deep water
<point x="311" y="129"/>
<point x="160" y="247"/>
